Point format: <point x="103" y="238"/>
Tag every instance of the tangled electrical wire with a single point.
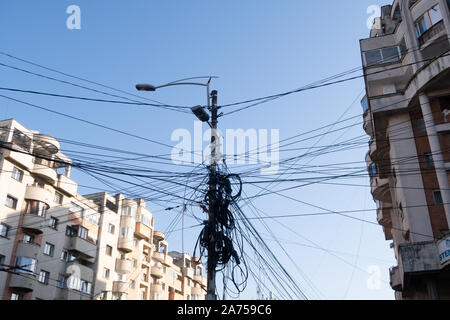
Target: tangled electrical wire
<point x="219" y="240"/>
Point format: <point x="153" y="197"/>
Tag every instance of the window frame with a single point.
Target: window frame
<point x="14" y="174"/>
<point x="438" y="201"/>
<point x="14" y="201"/>
<point x="44" y="277"/>
<point x="4" y="226"/>
<point x="52" y="249"/>
<point x="53" y="225"/>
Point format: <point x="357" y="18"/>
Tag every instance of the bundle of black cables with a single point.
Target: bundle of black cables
<point x="217" y="235"/>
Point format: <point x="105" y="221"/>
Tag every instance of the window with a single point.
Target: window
<point x="53" y="223"/>
<point x="111" y="228"/>
<point x="106" y="273"/>
<point x="421" y="26"/>
<point x="86" y="287"/>
<point x="429" y="160"/>
<point x="62" y="281"/>
<point x="38" y="184"/>
<point x="128" y="211"/>
<point x="17" y="174"/>
<point x="421" y="125"/>
<point x="108" y="250"/>
<point x="25" y="265"/>
<point x="4" y="230"/>
<point x="373" y="170"/>
<point x="16" y="296"/>
<point x="74" y="208"/>
<point x="71" y="231"/>
<point x="44" y="276"/>
<point x="11" y="202"/>
<point x="83" y="233"/>
<point x="66" y="256"/>
<point x="58" y="198"/>
<point x="28" y="238"/>
<point x="2" y="259"/>
<point x="435" y="15"/>
<point x="36" y="208"/>
<point x="21" y="140"/>
<point x="385" y="55"/>
<point x="119" y="296"/>
<point x="437" y="197"/>
<point x="126" y="232"/>
<point x="49" y="249"/>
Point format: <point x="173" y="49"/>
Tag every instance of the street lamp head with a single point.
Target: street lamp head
<point x="145" y="87"/>
<point x="200" y="113"/>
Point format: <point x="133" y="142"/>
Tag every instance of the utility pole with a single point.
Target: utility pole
<point x="212" y="226"/>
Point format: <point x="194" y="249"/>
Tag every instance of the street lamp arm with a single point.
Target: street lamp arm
<point x="182" y="83"/>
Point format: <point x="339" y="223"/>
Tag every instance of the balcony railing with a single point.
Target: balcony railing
<point x="430" y="33"/>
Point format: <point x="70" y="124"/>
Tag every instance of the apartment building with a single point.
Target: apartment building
<point x="133" y="259"/>
<point x="406" y="63"/>
<point x="57" y="244"/>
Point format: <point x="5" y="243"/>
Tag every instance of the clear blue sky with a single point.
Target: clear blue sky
<point x="257" y="48"/>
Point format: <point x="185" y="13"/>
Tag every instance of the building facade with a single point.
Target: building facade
<point x="406" y="63"/>
<point x="57" y="244"/>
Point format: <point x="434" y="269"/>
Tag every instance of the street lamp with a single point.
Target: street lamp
<point x="203" y="116"/>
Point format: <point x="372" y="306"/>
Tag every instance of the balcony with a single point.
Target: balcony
<point x="368" y="123"/>
<point x="156" y="288"/>
<point x="384" y="216"/>
<point x="159" y="256"/>
<point x="188" y="272"/>
<point x="157" y="272"/>
<point x="33" y="223"/>
<point x="388" y="233"/>
<point x="198" y="278"/>
<point x="44" y="144"/>
<point x="127" y="222"/>
<point x="124" y="266"/>
<point x="67" y="185"/>
<point x="395" y="279"/>
<point x="197" y="291"/>
<point x="29" y="250"/>
<point x="120" y="286"/>
<point x="24" y="159"/>
<point x="84" y="272"/>
<point x="380" y="189"/>
<point x="45" y="172"/>
<point x="372" y="148"/>
<point x="143" y="231"/>
<point x="443" y="127"/>
<point x="39" y="194"/>
<point x="432" y="33"/>
<point x="84" y="248"/>
<point x="125" y="244"/>
<point x="159" y="236"/>
<point x="23" y="281"/>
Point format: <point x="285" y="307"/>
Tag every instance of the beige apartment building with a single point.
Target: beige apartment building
<point x="57" y="244"/>
<point x="406" y="63"/>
